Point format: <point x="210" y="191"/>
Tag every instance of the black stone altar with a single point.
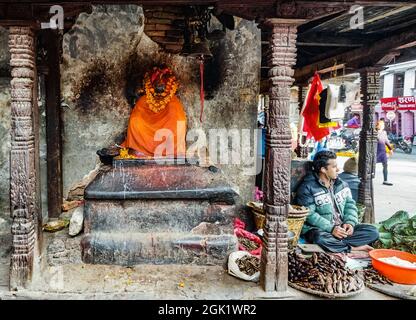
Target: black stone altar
<point x="143" y="212"/>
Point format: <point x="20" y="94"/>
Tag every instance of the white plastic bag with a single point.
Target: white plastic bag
<point x="234" y="270"/>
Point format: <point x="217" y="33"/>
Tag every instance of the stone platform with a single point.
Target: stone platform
<point x="144" y="212"/>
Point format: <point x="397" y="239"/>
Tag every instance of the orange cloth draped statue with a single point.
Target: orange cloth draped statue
<point x="157" y="124"/>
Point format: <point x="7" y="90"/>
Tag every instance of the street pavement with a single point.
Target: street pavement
<point x="400" y="196"/>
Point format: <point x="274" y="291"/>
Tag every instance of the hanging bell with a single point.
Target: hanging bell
<point x="200" y="49"/>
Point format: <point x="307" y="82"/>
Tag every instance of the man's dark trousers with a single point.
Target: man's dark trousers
<point x="363" y="234"/>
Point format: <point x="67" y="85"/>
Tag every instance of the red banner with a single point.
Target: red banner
<point x="398" y="103"/>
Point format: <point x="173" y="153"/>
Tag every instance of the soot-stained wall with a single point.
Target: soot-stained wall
<point x="105" y="56"/>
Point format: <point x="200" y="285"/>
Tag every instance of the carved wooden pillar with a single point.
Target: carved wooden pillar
<point x="370" y="90"/>
<point x="22" y="157"/>
<point x="274" y="261"/>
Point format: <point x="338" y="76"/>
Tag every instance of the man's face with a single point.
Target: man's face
<point x="332" y="169"/>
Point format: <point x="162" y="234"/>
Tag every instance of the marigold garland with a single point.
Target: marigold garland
<point x="159" y="101"/>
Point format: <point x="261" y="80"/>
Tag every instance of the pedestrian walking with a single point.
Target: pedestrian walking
<point x="383" y="145"/>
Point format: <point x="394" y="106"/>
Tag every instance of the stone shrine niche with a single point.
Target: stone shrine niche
<point x="105" y="56"/>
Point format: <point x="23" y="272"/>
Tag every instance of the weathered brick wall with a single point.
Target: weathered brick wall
<point x="162" y="25"/>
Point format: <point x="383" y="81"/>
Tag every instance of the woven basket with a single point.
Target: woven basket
<point x="294" y="224"/>
<point x="259" y="219"/>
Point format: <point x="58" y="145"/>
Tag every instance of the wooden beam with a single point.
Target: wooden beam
<point x="358" y="58"/>
<point x="332" y="69"/>
<point x="53" y="124"/>
<point x="382" y="16"/>
<point x="327" y="44"/>
<point x="393" y="27"/>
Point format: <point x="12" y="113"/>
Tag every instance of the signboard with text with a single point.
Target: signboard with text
<point x="398" y="103"/>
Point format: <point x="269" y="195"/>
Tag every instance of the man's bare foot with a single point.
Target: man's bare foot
<point x="362" y="248"/>
<point x="358" y="255"/>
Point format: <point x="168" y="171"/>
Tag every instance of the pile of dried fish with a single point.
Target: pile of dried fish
<point x="248" y="264"/>
<point x="248" y="244"/>
<point x="323" y="272"/>
<point x="372" y="276"/>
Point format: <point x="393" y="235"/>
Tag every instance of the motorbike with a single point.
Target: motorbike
<point x="404" y="144"/>
<point x="350" y="139"/>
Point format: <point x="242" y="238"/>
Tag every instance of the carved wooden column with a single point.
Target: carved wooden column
<point x="274" y="261"/>
<point x="370" y="90"/>
<point x="22" y="158"/>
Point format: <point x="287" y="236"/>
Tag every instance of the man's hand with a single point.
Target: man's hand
<point x="339" y="232"/>
<point x="348" y="228"/>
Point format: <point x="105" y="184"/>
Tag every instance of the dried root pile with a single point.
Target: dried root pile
<point x="323" y="272"/>
<point x="248" y="244"/>
<point x="372" y="276"/>
<point x="248" y="264"/>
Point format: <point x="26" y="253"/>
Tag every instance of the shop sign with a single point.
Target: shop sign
<point x="398" y="103"/>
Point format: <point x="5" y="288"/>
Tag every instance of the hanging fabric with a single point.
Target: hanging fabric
<point x="310" y="111"/>
<point x="334" y="110"/>
<point x="323" y="121"/>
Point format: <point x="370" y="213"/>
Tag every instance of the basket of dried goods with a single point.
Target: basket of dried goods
<point x="246" y="240"/>
<point x="258" y="213"/>
<point x="244" y="265"/>
<point x="296" y="219"/>
<point x="324" y="275"/>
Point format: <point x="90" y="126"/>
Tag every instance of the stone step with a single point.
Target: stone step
<point x="154" y="215"/>
<point x="150" y="181"/>
<point x="128" y="249"/>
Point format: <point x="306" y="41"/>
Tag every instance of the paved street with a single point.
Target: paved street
<point x="400" y="196"/>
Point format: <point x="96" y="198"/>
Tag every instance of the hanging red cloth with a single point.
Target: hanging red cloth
<point x="310" y="111"/>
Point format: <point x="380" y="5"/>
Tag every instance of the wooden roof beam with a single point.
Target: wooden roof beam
<point x="385" y="15"/>
<point x="358" y="58"/>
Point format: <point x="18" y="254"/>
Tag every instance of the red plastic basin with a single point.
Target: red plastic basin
<point x="394" y="273"/>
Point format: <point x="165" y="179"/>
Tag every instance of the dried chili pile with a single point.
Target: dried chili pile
<point x="248" y="264"/>
<point x="323" y="272"/>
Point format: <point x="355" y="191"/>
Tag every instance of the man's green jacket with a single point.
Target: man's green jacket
<point x="313" y="194"/>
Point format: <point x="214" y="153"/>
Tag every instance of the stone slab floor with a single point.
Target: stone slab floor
<point x="80" y="281"/>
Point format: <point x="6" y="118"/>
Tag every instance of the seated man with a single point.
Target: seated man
<point x="157" y="124"/>
<point x="354" y="122"/>
<point x="332" y="222"/>
<point x="350" y="176"/>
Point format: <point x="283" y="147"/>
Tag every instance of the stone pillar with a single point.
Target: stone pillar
<point x="22" y="158"/>
<point x="370" y="89"/>
<point x="274" y="260"/>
